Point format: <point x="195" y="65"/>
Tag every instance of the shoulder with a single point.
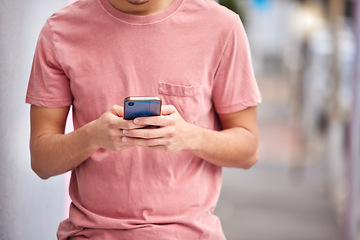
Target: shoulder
<point x="213" y="12"/>
<point x="73" y="13"/>
<point x="72" y="22"/>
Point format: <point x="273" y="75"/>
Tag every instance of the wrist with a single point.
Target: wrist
<point x="90" y="136"/>
<point x="195" y="138"/>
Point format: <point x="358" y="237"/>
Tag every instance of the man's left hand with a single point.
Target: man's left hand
<point x="170" y="132"/>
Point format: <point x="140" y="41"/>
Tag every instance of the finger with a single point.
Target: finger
<point x="117" y="110"/>
<point x="128" y="125"/>
<point x="115" y="122"/>
<point x="160" y="148"/>
<point x="145" y="142"/>
<point x="148" y="133"/>
<point x="160" y="121"/>
<point x="168" y="109"/>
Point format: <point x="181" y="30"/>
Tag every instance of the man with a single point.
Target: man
<point x="131" y="182"/>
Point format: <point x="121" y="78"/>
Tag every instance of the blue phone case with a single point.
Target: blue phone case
<point x="141" y="107"/>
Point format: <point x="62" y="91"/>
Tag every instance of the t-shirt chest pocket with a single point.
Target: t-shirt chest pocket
<point x="186" y="99"/>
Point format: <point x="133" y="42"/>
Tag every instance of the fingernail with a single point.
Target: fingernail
<point x="124" y="139"/>
<point x="136" y="121"/>
<point x="125" y="131"/>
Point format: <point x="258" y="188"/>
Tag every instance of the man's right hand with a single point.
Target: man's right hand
<point x="108" y="129"/>
<point x="54" y="153"/>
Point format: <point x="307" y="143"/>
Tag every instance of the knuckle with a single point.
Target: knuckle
<point x="168" y="142"/>
<point x="166" y="147"/>
<point x="172" y="121"/>
<point x="126" y="125"/>
<point x="111" y="123"/>
<point x="173" y="107"/>
<point x="126" y="132"/>
<point x="169" y="148"/>
<point x="113" y="107"/>
<point x="108" y="120"/>
<point x="112" y="136"/>
<point x="171" y="132"/>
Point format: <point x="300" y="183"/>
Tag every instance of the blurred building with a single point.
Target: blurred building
<point x="311" y="46"/>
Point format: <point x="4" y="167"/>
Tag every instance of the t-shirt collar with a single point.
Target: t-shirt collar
<point x="141" y="20"/>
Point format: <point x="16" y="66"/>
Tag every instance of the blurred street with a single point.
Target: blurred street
<point x="284" y="196"/>
<point x="305" y="185"/>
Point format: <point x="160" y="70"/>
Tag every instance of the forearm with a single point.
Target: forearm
<point x="54" y="154"/>
<point x="234" y="147"/>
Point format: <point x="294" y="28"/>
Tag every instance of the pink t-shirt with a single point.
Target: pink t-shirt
<point x="195" y="56"/>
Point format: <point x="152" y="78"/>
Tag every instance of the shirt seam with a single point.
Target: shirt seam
<point x="247" y="103"/>
<point x="52" y="40"/>
<point x="223" y="49"/>
<point x="49" y="99"/>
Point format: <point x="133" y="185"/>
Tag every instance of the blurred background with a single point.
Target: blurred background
<point x="306" y="184"/>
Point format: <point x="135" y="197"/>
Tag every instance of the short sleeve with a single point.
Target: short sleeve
<point x="48" y="84"/>
<point x="235" y="86"/>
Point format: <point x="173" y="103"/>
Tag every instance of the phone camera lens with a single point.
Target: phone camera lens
<point x="131" y="104"/>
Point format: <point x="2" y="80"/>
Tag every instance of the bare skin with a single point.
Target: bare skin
<point x="53" y="152"/>
<point x="235" y="146"/>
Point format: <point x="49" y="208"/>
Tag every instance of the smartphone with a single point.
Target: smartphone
<point x="141" y="107"/>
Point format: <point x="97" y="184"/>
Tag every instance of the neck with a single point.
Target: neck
<point x="141" y="7"/>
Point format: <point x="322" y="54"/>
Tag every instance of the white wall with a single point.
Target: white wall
<point x="30" y="208"/>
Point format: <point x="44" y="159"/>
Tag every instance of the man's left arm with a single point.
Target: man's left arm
<point x="235" y="146"/>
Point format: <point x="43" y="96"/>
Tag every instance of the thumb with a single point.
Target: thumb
<point x="168" y="109"/>
<point x="117" y="110"/>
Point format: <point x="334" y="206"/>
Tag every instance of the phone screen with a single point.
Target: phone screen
<point x="141" y="107"/>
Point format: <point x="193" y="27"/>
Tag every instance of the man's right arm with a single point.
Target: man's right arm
<point x="54" y="153"/>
